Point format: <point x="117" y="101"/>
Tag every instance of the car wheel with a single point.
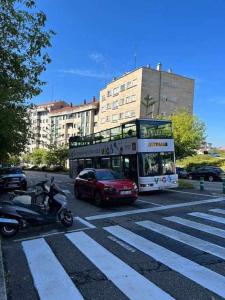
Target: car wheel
<point x="98" y="199"/>
<point x="211" y="178"/>
<point x="77" y="193"/>
<point x="190" y="177"/>
<point x="8" y="230"/>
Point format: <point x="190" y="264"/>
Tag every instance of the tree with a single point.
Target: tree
<point x="22" y="61"/>
<point x="37" y="156"/>
<point x="189" y="133"/>
<point x="148" y="102"/>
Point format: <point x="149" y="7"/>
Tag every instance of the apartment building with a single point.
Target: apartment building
<point x="125" y="97"/>
<point x="54" y="122"/>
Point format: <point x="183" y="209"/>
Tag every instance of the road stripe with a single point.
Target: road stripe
<point x="190" y="193"/>
<point x="131" y="283"/>
<point x="145" y="210"/>
<point x="138" y="200"/>
<point x="193" y="271"/>
<point x="199" y="226"/>
<point x="50" y="279"/>
<point x="89" y="225"/>
<point x="218" y="210"/>
<point x="185" y="238"/>
<point x="208" y="217"/>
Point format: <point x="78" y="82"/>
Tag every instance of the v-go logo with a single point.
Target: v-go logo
<point x="163" y="179"/>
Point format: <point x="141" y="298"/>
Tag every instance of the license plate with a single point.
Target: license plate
<point x="125" y="192"/>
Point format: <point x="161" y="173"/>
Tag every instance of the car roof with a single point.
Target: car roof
<point x="95" y="169"/>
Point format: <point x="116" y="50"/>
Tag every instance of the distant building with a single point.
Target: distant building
<point x="125" y="97"/>
<point x="54" y="122"/>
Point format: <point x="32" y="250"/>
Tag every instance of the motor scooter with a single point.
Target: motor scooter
<point x="16" y="214"/>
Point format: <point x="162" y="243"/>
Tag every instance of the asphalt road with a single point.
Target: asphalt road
<point x="167" y="245"/>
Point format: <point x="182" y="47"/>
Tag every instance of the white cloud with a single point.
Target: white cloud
<point x="85" y="73"/>
<point x="97" y="57"/>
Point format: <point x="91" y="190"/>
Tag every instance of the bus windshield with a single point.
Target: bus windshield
<point x="108" y="175"/>
<point x="156" y="129"/>
<point x="155" y="164"/>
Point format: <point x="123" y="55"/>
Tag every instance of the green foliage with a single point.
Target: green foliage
<point x="189" y="133"/>
<point x="37" y="157"/>
<point x="184" y="184"/>
<point x="22" y="61"/>
<point x="192" y="162"/>
<point x="13" y="160"/>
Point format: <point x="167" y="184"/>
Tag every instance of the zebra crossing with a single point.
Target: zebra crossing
<point x="53" y="280"/>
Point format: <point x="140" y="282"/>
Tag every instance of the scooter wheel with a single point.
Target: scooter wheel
<point x="67" y="218"/>
<point x="8" y="230"/>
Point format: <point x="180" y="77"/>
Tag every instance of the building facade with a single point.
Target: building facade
<point x="141" y="93"/>
<point x="54" y="123"/>
<point x="126" y="97"/>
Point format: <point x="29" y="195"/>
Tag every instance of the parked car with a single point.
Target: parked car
<point x="104" y="185"/>
<point x="209" y="173"/>
<point x="11" y="178"/>
<point x="181" y="172"/>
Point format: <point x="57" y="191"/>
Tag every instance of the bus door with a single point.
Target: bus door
<point x="130" y="167"/>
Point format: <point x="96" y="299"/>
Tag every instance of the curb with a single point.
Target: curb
<point x="3" y="295"/>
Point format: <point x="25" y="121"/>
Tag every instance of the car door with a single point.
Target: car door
<point x="90" y="184"/>
<point x="81" y="184"/>
<point x="200" y="173"/>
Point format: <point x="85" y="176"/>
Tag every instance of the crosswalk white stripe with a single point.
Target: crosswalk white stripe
<point x="195" y="272"/>
<point x="185" y="238"/>
<point x="199" y="226"/>
<point x="131" y="283"/>
<point x="208" y="217"/>
<point x="50" y="279"/>
<point x="218" y="210"/>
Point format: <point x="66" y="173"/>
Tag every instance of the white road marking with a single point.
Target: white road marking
<point x="218" y="210"/>
<point x="156" y="204"/>
<point x="151" y="209"/>
<point x="185" y="238"/>
<point x="199" y="226"/>
<point x="50" y="279"/>
<point x="124" y="245"/>
<point x="131" y="283"/>
<point x="208" y="217"/>
<point x="66" y="191"/>
<point x="183" y="192"/>
<point x="195" y="272"/>
<point x="89" y="225"/>
<point x="49" y="234"/>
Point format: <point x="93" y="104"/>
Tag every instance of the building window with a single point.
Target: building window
<point x="129" y="84"/>
<point x="132" y="114"/>
<point x="121" y="101"/>
<point x="103" y="97"/>
<point x="103" y="108"/>
<point x="114" y="118"/>
<point x="115" y="104"/>
<point x="115" y="91"/>
<point x="134" y="82"/>
<point x="108" y="119"/>
<point x="108" y="105"/>
<point x="121" y="116"/>
<point x="122" y="87"/>
<point x="109" y="93"/>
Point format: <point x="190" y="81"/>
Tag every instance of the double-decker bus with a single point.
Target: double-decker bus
<point x="142" y="149"/>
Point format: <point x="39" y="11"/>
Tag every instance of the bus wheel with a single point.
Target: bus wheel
<point x="98" y="199"/>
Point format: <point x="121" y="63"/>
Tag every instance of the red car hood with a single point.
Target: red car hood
<point x="122" y="184"/>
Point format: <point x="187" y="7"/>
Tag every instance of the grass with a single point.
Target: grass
<point x="183" y="184"/>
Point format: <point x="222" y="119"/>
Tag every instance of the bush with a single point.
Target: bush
<point x="192" y="162"/>
<point x="184" y="184"/>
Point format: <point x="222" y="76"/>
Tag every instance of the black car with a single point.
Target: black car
<point x="181" y="172"/>
<point x="208" y="173"/>
<point x="11" y="178"/>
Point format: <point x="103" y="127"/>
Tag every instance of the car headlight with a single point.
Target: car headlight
<point x="109" y="189"/>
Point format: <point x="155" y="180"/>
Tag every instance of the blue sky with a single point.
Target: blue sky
<point x="96" y="40"/>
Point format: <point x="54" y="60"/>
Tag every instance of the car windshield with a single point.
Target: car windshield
<point x="108" y="175"/>
<point x="10" y="171"/>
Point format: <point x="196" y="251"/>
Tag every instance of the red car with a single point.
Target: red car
<point x="104" y="185"/>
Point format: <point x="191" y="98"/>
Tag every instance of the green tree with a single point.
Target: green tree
<point x="22" y="61"/>
<point x="189" y="133"/>
<point x="148" y="103"/>
<point x="38" y="156"/>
